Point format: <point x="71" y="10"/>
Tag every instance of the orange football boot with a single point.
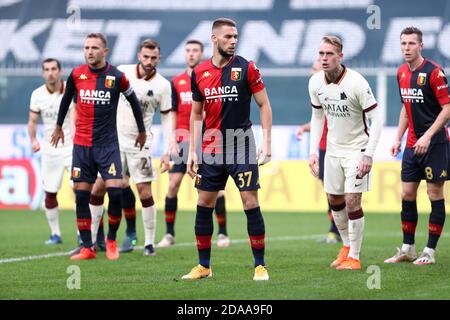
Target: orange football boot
<point x="342" y="255"/>
<point x="85" y="254"/>
<point x="112" y="252"/>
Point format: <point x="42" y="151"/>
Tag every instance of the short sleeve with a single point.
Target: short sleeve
<point x="125" y="86"/>
<point x="438" y="83"/>
<point x="254" y="78"/>
<point x="174" y="96"/>
<point x="365" y="95"/>
<point x="166" y="98"/>
<point x="196" y="94"/>
<point x="34" y="103"/>
<point x="315" y="103"/>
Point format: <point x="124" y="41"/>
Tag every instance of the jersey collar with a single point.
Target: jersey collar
<point x="228" y="63"/>
<point x="339" y="78"/>
<point x="61" y="88"/>
<point x="100" y="70"/>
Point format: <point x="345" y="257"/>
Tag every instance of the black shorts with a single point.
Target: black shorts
<point x="180" y="160"/>
<point x="432" y="166"/>
<point x="213" y="177"/>
<point x="321" y="163"/>
<point x="88" y="161"/>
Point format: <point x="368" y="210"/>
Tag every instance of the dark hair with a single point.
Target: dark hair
<point x="334" y="41"/>
<point x="193" y="41"/>
<point x="98" y="35"/>
<point x="223" y="22"/>
<point x="51" y="60"/>
<point x="149" y="44"/>
<point x="413" y="30"/>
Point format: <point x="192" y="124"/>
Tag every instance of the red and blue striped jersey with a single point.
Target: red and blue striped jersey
<point x="226" y="94"/>
<point x="96" y="92"/>
<point x="423" y="93"/>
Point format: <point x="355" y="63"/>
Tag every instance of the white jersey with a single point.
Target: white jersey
<point x="46" y="104"/>
<point x="152" y="94"/>
<point x="345" y="103"/>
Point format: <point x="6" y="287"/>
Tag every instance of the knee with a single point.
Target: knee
<point x="173" y="189"/>
<point x="435" y="193"/>
<point x="50" y="200"/>
<point x="144" y="190"/>
<point x="335" y="200"/>
<point x="250" y="203"/>
<point x="409" y="195"/>
<point x="209" y="203"/>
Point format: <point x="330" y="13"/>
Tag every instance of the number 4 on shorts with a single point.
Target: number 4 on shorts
<point x="112" y="169"/>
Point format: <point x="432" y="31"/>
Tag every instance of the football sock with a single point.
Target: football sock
<point x="340" y="218"/>
<point x="436" y="222"/>
<point x="256" y="232"/>
<point x="96" y="208"/>
<point x="204" y="229"/>
<point x="129" y="209"/>
<point x="355" y="232"/>
<point x="333" y="227"/>
<point x="149" y="220"/>
<point x="221" y="215"/>
<point x="114" y="211"/>
<point x="84" y="216"/>
<point x="409" y="218"/>
<point x="52" y="212"/>
<point x="101" y="231"/>
<point x="170" y="212"/>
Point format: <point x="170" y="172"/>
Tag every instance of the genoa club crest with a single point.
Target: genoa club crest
<point x="236" y="74"/>
<point x="109" y="81"/>
<point x="421" y="79"/>
<point x="76" y="172"/>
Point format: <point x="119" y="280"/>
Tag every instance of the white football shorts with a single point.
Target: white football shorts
<point x="340" y="175"/>
<point x="138" y="165"/>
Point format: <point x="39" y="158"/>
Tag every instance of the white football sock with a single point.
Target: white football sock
<point x="149" y="219"/>
<point x="341" y="220"/>
<point x="96" y="215"/>
<point x="409" y="248"/>
<point x="53" y="220"/>
<point x="355" y="234"/>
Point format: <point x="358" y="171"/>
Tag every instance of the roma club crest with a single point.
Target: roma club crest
<point x="421" y="79"/>
<point x="109" y="81"/>
<point x="236" y="74"/>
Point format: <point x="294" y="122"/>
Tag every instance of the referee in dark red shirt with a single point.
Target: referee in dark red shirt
<point x="96" y="87"/>
<point x="425" y="96"/>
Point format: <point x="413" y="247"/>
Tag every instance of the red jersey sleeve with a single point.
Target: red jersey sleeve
<point x="438" y="83"/>
<point x="125" y="86"/>
<point x="254" y="79"/>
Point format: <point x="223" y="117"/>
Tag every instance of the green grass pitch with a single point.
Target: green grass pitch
<point x="298" y="264"/>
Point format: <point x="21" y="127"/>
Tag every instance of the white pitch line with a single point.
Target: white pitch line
<point x="182" y="244"/>
<point x="235" y="241"/>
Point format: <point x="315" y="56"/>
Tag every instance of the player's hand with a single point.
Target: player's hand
<point x="58" y="134"/>
<point x="174" y="148"/>
<point x="422" y="145"/>
<point x="263" y="156"/>
<point x="395" y="149"/>
<point x="365" y="165"/>
<point x="314" y="165"/>
<point x="35" y="146"/>
<point x="300" y="133"/>
<point x="192" y="165"/>
<point x="165" y="163"/>
<point x="140" y="140"/>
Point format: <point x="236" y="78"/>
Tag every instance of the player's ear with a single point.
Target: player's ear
<point x="106" y="51"/>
